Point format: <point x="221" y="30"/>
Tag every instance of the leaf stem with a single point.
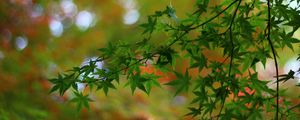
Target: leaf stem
<point x="293" y="107"/>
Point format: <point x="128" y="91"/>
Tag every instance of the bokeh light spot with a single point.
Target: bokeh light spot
<point x="69" y="8"/>
<point x="84" y="20"/>
<point x="56" y="28"/>
<point x="37" y="11"/>
<point x="131" y="17"/>
<point x="21" y="43"/>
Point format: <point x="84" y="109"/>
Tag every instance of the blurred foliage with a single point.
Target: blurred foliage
<point x="31" y="52"/>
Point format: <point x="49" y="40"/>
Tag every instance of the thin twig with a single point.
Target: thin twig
<point x="293" y="107"/>
<point x="214" y="16"/>
<point x="231" y="54"/>
<point x="275" y="60"/>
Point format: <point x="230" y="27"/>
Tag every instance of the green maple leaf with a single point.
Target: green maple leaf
<point x="81" y="100"/>
<point x="182" y="82"/>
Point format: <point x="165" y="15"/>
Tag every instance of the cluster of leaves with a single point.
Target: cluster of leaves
<point x="239" y="28"/>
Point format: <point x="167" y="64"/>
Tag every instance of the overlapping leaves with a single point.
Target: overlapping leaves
<point x="240" y="37"/>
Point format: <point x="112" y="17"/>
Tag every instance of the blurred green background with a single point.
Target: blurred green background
<point x="39" y="38"/>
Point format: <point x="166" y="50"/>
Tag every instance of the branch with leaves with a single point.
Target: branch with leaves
<point x="238" y="31"/>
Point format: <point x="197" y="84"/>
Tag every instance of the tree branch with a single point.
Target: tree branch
<point x="275" y="59"/>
